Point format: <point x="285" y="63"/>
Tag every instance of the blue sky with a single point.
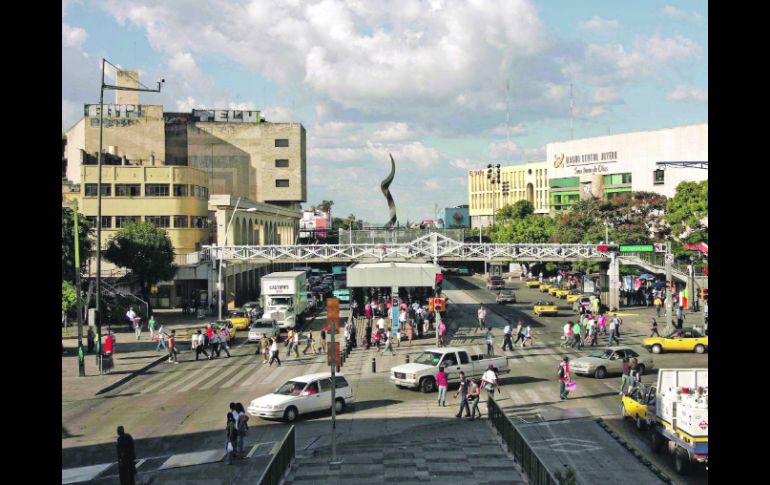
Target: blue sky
<point x="424" y="80"/>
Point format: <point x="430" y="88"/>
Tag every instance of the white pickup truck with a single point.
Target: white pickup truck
<point x="422" y="372"/>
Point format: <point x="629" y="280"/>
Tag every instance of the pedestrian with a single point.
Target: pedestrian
<point x="419" y="316"/>
<point x="274" y="353"/>
<point x="462" y="390"/>
<point x="596" y="306"/>
<point x="91" y="338"/>
<point x="634" y="375"/>
<point x="613" y="330"/>
<point x="593" y="335"/>
<point x="490" y="341"/>
<point x="242" y="427"/>
<point x="354" y="307"/>
<point x="223" y="345"/>
<point x="368" y="312"/>
<point x="215" y="344"/>
<point x="441" y="382"/>
<point x="323" y="339"/>
<point x="519" y="334"/>
<point x="654" y="330"/>
<point x="442" y="334"/>
<point x="507" y="345"/>
<point x="295" y="345"/>
<point x="131" y="314"/>
<point x="409" y="332"/>
<point x="388" y="344"/>
<point x="377" y="338"/>
<point x="310" y="342"/>
<point x="527" y="336"/>
<point x="482" y="315"/>
<point x="161" y="339"/>
<point x="353" y="335"/>
<point x="679" y="316"/>
<point x="563" y="378"/>
<point x="474" y="391"/>
<point x="137" y="327"/>
<point x="172" y="347"/>
<point x="368" y="335"/>
<point x="658" y="305"/>
<point x="231" y="435"/>
<point x="126" y="457"/>
<point x="603" y="324"/>
<point x="151" y="324"/>
<point x="264" y="349"/>
<point x="200" y="345"/>
<point x="490" y="383"/>
<point x="624" y="378"/>
<point x="289" y="341"/>
<point x="109" y="351"/>
<point x="576" y="335"/>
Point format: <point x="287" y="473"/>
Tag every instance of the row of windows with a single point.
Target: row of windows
<point x="180" y="222"/>
<point x="617" y="179"/>
<point x="150" y="190"/>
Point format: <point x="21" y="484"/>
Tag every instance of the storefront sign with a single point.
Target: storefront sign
<point x="585" y="163"/>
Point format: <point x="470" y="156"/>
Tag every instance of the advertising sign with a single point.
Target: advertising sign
<point x="333" y="314"/>
<point x="641" y="248"/>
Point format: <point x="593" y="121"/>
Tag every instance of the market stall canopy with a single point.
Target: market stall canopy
<point x="403" y="275"/>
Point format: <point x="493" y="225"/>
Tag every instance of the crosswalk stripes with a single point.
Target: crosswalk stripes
<point x="199" y="377"/>
<point x="224" y="373"/>
<point x="533" y="396"/>
<point x="249" y="369"/>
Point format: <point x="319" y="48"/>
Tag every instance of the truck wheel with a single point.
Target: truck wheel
<point x="339" y="405"/>
<point x="657" y="349"/>
<point x="428" y="385"/>
<point x="600" y="373"/>
<point x="290" y="415"/>
<point x="700" y="348"/>
<point x="682" y="462"/>
<point x="656" y="441"/>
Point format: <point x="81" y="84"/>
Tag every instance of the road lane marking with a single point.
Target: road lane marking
<point x="224" y="373"/>
<point x="240" y="375"/>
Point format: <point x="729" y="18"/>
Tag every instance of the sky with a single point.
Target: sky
<point x="427" y="81"/>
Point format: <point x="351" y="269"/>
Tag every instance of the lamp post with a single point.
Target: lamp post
<point x="102" y="87"/>
<point x="221" y="251"/>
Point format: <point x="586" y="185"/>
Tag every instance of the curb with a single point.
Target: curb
<point x="637" y="454"/>
<point x="130" y="376"/>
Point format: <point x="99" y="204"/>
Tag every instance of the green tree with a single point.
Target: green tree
<point x="325" y="205"/>
<point x="68" y="243"/>
<point x="529" y="229"/>
<point x="688" y="211"/>
<point x="146" y="250"/>
<point x="518" y="210"/>
<point x="69" y="297"/>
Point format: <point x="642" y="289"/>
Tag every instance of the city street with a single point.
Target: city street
<point x="175" y="409"/>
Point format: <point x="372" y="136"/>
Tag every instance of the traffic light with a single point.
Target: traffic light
<point x="603" y="249"/>
<point x="704" y="293"/>
<point x="506" y="188"/>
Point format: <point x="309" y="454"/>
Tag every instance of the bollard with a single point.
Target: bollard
<point x="407" y="358"/>
<point x="374" y="365"/>
<point x="342" y="359"/>
<point x="338" y="368"/>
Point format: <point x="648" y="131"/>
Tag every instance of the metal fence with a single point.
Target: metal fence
<point x="280" y="462"/>
<point x="531" y="464"/>
<point x="396" y="235"/>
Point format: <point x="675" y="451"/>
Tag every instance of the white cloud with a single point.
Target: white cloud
<point x="606" y="95"/>
<point x="501" y="151"/>
<point x="671" y="11"/>
<point x="535" y="153"/>
<point x="72" y="36"/>
<point x="466" y="164"/>
<point x="393" y="132"/>
<point x="279" y="114"/>
<point x="597" y="23"/>
<point x="433" y="184"/>
<point x="688" y="94"/>
<point x="186" y="104"/>
<point x="71" y="112"/>
<point x="518" y="130"/>
<point x="184" y="63"/>
<point x="414" y="153"/>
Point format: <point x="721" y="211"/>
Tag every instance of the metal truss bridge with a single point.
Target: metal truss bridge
<point x="431" y="247"/>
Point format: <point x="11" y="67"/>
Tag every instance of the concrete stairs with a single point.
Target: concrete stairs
<point x="444" y="452"/>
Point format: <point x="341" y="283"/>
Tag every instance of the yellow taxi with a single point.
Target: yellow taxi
<point x="562" y="293"/>
<point x="544" y="287"/>
<point x="686" y="339"/>
<point x="240" y="319"/>
<point x="533" y="283"/>
<point x="552" y="290"/>
<point x="636" y="404"/>
<point x="573" y="296"/>
<point x="542" y="308"/>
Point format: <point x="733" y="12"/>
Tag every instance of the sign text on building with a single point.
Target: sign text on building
<point x="114" y="110"/>
<point x="226" y="116"/>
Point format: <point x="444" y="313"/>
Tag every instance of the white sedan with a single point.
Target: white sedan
<point x="302" y="395"/>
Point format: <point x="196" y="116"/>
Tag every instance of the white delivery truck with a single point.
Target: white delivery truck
<point x="680" y="416"/>
<point x="422" y="372"/>
<point x="284" y="298"/>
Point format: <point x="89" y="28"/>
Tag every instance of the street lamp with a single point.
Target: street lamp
<point x="102" y="87"/>
<point x="221" y="250"/>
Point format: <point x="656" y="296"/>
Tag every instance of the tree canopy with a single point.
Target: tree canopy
<point x="687" y="212"/>
<point x="68" y="243"/>
<point x="144" y="249"/>
<point x="68" y="296"/>
<point x="518" y="210"/>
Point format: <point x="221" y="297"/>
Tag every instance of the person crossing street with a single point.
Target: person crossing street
<point x="507" y="345"/>
<point x="482" y="315"/>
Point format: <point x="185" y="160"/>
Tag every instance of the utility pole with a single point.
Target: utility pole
<point x="81" y="354"/>
<point x="669" y="290"/>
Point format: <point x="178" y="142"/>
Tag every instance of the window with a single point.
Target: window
<point x="205" y="192"/>
<point x="617" y="179"/>
<point x="106" y="222"/>
<point x="282" y="164"/>
<point x="90" y="190"/>
<point x="181" y="221"/>
<point x="463" y="357"/>
<point x="156" y="190"/>
<point x="199" y="191"/>
<point x="326" y="385"/>
<point x="312" y="388"/>
<point x="449" y="360"/>
<point x="626" y="178"/>
<point x="127" y="190"/>
<point x="181" y="190"/>
<point x="121" y="221"/>
<point x="91" y="220"/>
<point x="659" y="177"/>
<point x="282" y="182"/>
<point x="282" y="143"/>
<point x="340" y="382"/>
<point x="159" y="221"/>
<point x="199" y="222"/>
<point x="565" y="182"/>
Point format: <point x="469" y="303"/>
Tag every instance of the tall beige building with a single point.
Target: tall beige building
<point x="528" y="181"/>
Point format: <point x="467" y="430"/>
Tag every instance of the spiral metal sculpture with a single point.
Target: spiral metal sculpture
<point x="386" y="192"/>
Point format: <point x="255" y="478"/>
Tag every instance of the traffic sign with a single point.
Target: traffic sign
<point x="640" y="248"/>
<point x="703" y="424"/>
<point x="669" y="258"/>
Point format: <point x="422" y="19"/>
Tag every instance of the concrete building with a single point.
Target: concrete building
<point x="454" y="217"/>
<point x="528" y="181"/>
<point x="604" y="165"/>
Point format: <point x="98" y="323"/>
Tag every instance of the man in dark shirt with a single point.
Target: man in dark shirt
<point x="463" y="392"/>
<point x="126" y="457"/>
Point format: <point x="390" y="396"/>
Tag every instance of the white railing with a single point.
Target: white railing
<point x="187" y="259"/>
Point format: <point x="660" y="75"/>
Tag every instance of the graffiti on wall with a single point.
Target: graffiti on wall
<point x="226" y="116"/>
<point x="114" y="122"/>
<point x="114" y="111"/>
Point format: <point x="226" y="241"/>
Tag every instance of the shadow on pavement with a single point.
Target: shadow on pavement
<point x="374" y="403"/>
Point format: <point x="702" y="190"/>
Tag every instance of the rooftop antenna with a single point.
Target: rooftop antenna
<point x="571" y="112"/>
<point x="507" y="122"/>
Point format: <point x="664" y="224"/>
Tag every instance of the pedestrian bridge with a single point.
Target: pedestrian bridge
<point x="431" y="247"/>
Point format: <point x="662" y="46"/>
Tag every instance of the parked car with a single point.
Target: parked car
<point x="262" y="328"/>
<point x="544" y="287"/>
<point x="421" y="373"/>
<point x="600" y="363"/>
<point x="686" y="339"/>
<point x="533" y="283"/>
<point x="302" y="395"/>
<point x="506" y="296"/>
<point x="573" y="296"/>
<point x="463" y="271"/>
<point x="495" y="283"/>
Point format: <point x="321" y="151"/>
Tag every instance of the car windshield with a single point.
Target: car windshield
<point x="506" y="292"/>
<point x="428" y="358"/>
<point x="237" y="314"/>
<point x="261" y="325"/>
<point x="291" y="388"/>
<point x="601" y="354"/>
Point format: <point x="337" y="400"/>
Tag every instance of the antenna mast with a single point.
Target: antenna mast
<point x="507" y="122"/>
<point x="571" y="111"/>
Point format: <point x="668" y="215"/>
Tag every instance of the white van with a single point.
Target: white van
<point x="302" y="395"/>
